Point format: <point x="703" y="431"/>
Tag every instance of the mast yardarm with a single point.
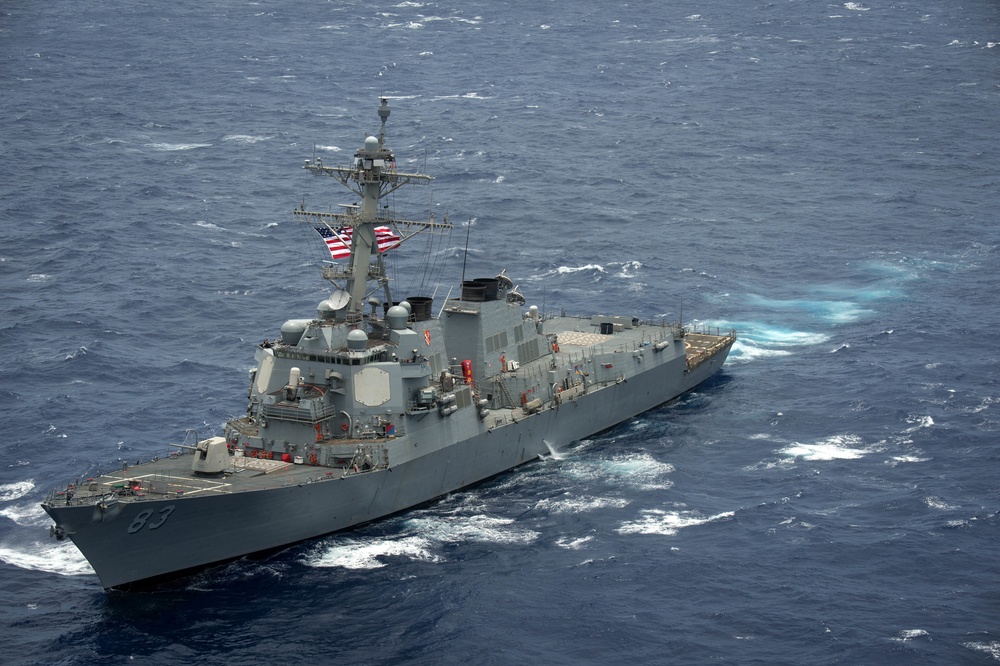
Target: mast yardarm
<point x="372" y="175"/>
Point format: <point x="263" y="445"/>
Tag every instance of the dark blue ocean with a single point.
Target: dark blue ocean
<point x="821" y="176"/>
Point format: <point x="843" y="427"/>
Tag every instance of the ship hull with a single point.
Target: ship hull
<point x="135" y="543"/>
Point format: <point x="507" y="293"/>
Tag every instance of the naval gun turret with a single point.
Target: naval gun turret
<point x="211" y="456"/>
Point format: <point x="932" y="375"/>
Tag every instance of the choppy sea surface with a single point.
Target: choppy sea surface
<point x="821" y="176"/>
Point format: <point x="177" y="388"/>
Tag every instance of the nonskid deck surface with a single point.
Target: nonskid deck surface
<point x="575" y="333"/>
<point x="171" y="477"/>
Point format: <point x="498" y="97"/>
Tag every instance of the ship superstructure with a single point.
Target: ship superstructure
<point x="374" y="405"/>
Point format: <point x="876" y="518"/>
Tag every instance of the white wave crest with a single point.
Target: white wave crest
<point x="668" y="523"/>
<point x="12" y="491"/>
<point x="479" y="528"/>
<point x="434" y="532"/>
<point x="172" y="147"/>
<point x="909" y="635"/>
<point x="567" y="270"/>
<point x="58" y="557"/>
<point x="992" y="648"/>
<point x="579" y="504"/>
<point x="351" y="554"/>
<point x="573" y="544"/>
<point x="640" y="471"/>
<point x="938" y="504"/>
<point x="25" y="515"/>
<point x="245" y="138"/>
<point x="836" y="447"/>
<point x="747" y="350"/>
<point x="919" y="421"/>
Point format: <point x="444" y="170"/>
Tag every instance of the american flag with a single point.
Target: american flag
<point x="339" y="241"/>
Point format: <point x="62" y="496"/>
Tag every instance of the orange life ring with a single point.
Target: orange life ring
<point x="313" y="459"/>
<point x="270" y="455"/>
<point x="253" y="453"/>
<point x="345" y="427"/>
<point x="319" y="433"/>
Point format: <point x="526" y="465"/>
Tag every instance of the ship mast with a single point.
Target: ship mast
<point x="372" y="176"/>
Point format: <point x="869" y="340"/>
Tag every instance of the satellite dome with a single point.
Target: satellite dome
<point x="292" y="330"/>
<point x="371" y="143"/>
<point x="325" y="310"/>
<point x="397" y="316"/>
<point x="357" y="340"/>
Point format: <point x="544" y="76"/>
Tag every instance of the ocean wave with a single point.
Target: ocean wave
<point x="570" y="270"/>
<point x="838" y="312"/>
<point x="570" y="543"/>
<point x="12" y="491"/>
<point x="835" y="447"/>
<point x="990" y="648"/>
<point x="208" y="225"/>
<point x="748" y="350"/>
<point x="896" y="460"/>
<point x="58" y="557"/>
<point x="938" y="504"/>
<point x="579" y="504"/>
<point x="637" y="470"/>
<point x="669" y="523"/>
<point x="758" y="340"/>
<point x="909" y="634"/>
<point x="763" y="334"/>
<point x="431" y="533"/>
<point x="920" y="421"/>
<point x="477" y="528"/>
<point x="26" y="515"/>
<point x="365" y="554"/>
<point x="173" y="147"/>
<point x="246" y="138"/>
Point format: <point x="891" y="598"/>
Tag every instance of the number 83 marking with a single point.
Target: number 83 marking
<point x="143" y="516"/>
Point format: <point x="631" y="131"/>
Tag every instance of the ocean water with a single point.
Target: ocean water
<point x="821" y="176"/>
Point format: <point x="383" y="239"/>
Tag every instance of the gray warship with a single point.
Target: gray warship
<point x="373" y="406"/>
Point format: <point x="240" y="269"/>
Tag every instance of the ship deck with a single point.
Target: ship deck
<point x="171" y="476"/>
<point x="576" y="334"/>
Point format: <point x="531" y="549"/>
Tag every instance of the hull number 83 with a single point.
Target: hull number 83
<point x="142" y="519"/>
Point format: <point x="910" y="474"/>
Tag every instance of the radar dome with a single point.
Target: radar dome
<point x="357" y="340"/>
<point x="326" y="310"/>
<point x="292" y="330"/>
<point x="397" y="316"/>
<point x="371" y="143"/>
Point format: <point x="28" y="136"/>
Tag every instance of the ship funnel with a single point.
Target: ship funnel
<point x="421" y="307"/>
